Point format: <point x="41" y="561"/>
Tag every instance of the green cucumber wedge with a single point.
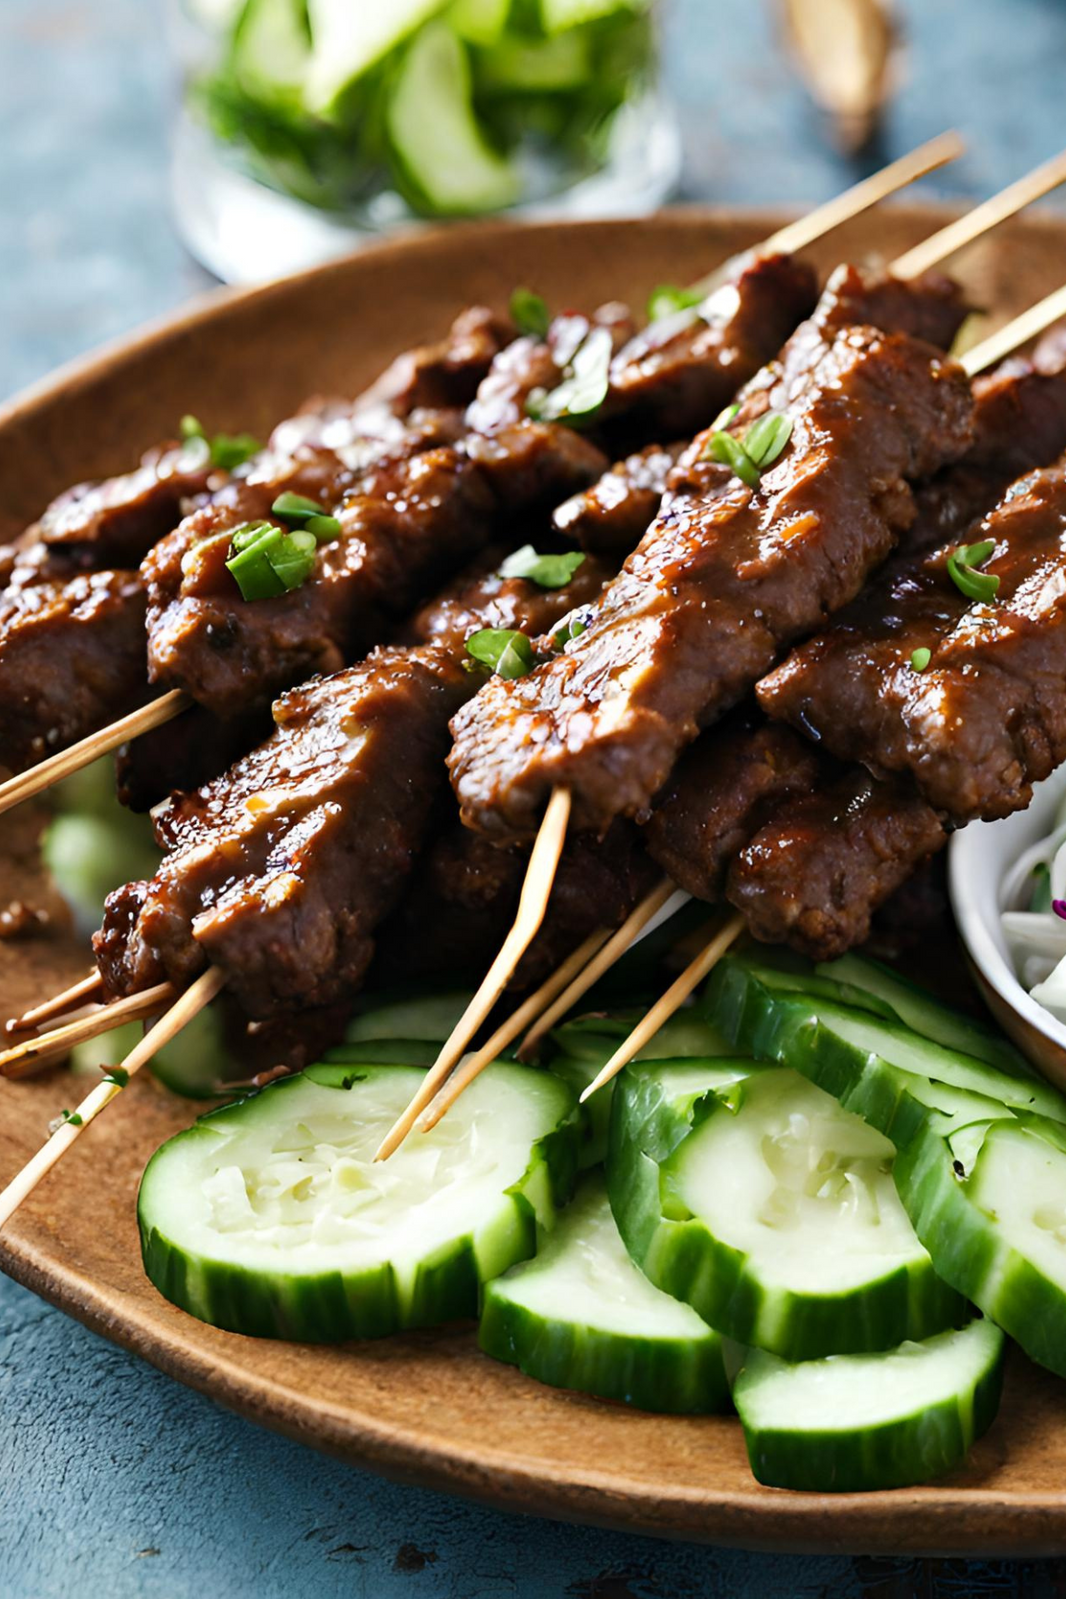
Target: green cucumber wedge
<point x="751" y="1195"/>
<point x="581" y="1315"/>
<point x="442" y="160"/>
<point x="981" y="1154"/>
<point x="350" y="40"/>
<point x="270" y="1217"/>
<point x="397" y="1015"/>
<point x="871" y="986"/>
<point x="858" y="1422"/>
<point x="587" y="1043"/>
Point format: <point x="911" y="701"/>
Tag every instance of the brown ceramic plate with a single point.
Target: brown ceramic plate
<point x="428" y="1408"/>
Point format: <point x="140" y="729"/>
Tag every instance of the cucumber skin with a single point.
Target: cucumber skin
<point x="1007" y="1287"/>
<point x="875" y="1457"/>
<point x="680" y="1255"/>
<point x="677" y="1376"/>
<point x="331" y="1307"/>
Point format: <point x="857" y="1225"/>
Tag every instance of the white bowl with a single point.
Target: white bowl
<point x="979" y="858"/>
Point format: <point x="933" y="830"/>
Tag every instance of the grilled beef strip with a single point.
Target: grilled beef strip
<point x="67" y="650"/>
<point x="612" y="516"/>
<point x="404" y="526"/>
<point x="442" y="374"/>
<point x="814" y="874"/>
<point x="530" y="363"/>
<point x="717" y="586"/>
<point x="280" y="870"/>
<point x="986" y="718"/>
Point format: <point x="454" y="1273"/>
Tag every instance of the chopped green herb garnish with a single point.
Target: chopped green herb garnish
<point x="298" y="511"/>
<point x="963" y="569"/>
<point x="1040" y="897"/>
<point x="548" y="571"/>
<point x="505" y="651"/>
<point x="226" y="450"/>
<point x="667" y="298"/>
<point x="117" y="1075"/>
<point x="760" y="447"/>
<point x="71" y="1118"/>
<point x="920" y="659"/>
<point x="266" y="561"/>
<point x="529" y="313"/>
<point x="571" y="627"/>
<point x="584" y="385"/>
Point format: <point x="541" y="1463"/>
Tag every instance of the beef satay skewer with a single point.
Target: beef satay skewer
<point x="998" y="345"/>
<point x="160" y="711"/>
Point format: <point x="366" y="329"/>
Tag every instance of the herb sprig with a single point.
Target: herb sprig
<point x="530" y="314"/>
<point x="762" y="443"/>
<point x="584" y="385"/>
<point x="964" y="570"/>
<point x="547" y="571"/>
<point x="505" y="651"/>
<point x="226" y="451"/>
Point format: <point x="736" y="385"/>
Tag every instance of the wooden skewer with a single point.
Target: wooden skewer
<point x="33" y="1053"/>
<point x="87" y="750"/>
<point x="982" y="219"/>
<point x="647" y="911"/>
<point x="852" y="203"/>
<point x="79" y="993"/>
<point x="1015" y="333"/>
<point x="509" y="1030"/>
<point x="540" y="875"/>
<point x="199" y="994"/>
<point x="671" y="1001"/>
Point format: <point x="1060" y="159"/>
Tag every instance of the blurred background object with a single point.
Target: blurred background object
<point x="307" y="125"/>
<point x="845" y="51"/>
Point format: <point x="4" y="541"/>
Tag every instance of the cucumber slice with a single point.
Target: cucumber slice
<point x="776" y="1011"/>
<point x="587" y="1044"/>
<point x="349" y="40"/>
<point x="857" y="1422"/>
<point x="397" y="1015"/>
<point x="444" y="164"/>
<point x="272" y="44"/>
<point x="869" y="985"/>
<point x="391" y="1051"/>
<point x="270" y="1217"/>
<point x="535" y="65"/>
<point x="771" y="1211"/>
<point x="479" y="21"/>
<point x="580" y="1315"/>
<point x="975" y="1146"/>
<point x="558" y="15"/>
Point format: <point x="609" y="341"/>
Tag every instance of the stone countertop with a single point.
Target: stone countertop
<point x="114" y="1481"/>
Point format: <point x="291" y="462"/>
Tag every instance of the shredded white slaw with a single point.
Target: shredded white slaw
<point x="1034" y="931"/>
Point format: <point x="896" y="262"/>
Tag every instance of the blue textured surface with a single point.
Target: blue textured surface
<point x="114" y="1481"/>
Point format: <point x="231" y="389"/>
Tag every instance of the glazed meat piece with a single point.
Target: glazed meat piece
<point x="719" y="794"/>
<point x="278" y="871"/>
<point x="446" y="373"/>
<point x="932" y="307"/>
<point x="529" y="363"/>
<point x="466" y="890"/>
<point x="303" y="846"/>
<point x="612" y="516"/>
<point x="112" y="523"/>
<point x="716" y="587"/>
<point x="824" y="862"/>
<point x="404" y="526"/>
<point x="71" y="659"/>
<point x="676" y="375"/>
<point x="184" y="753"/>
<point x="480" y="597"/>
<point x="985" y="718"/>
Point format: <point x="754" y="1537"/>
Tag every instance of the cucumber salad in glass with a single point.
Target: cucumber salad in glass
<point x="309" y="123"/>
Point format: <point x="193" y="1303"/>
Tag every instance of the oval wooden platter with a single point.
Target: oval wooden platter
<point x="429" y="1408"/>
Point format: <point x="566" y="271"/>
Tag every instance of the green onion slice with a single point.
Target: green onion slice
<point x="767" y="437"/>
<point x="920" y="659"/>
<point x="299" y="511"/>
<point x="963" y="565"/>
<point x="584" y="385"/>
<point x="505" y="651"/>
<point x="529" y="313"/>
<point x="728" y="449"/>
<point x="547" y="571"/>
<point x="666" y="299"/>
<point x="266" y="561"/>
<point x="226" y="450"/>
